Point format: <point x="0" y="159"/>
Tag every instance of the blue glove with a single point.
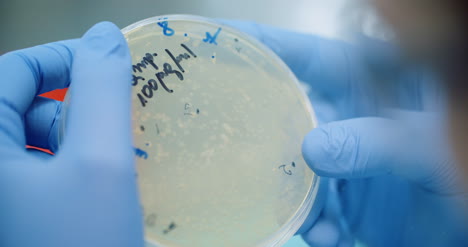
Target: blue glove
<point x="392" y="178"/>
<point x="87" y="194"/>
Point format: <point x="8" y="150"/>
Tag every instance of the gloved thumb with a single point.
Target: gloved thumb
<point x="99" y="118"/>
<point x="412" y="146"/>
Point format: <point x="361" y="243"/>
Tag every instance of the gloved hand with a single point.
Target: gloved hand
<point x="87" y="194"/>
<point x="382" y="144"/>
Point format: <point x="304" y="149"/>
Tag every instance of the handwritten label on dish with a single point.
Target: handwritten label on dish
<point x="168" y="68"/>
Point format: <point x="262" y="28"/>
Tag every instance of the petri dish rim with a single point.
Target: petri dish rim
<point x="283" y="234"/>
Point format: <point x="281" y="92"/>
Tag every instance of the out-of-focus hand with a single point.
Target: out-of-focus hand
<point x="392" y="178"/>
<point x="87" y="194"/>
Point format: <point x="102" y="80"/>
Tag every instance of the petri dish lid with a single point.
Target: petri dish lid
<point x="218" y="122"/>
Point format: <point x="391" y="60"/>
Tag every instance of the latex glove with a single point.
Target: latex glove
<point x="394" y="182"/>
<point x="86" y="195"/>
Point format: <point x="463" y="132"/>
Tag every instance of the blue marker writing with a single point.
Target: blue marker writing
<point x="211" y="39"/>
<point x="166" y="29"/>
<point x="141" y="153"/>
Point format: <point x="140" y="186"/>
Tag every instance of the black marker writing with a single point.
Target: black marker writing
<point x="148" y="59"/>
<point x="170" y="228"/>
<point x="188" y="50"/>
<point x="148" y="90"/>
<point x="168" y="70"/>
<point x="157" y="129"/>
<point x="287" y="172"/>
<point x="135" y="80"/>
<point x="178" y="59"/>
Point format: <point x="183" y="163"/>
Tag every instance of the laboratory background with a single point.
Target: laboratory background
<point x="29" y="22"/>
<point x="26" y="23"/>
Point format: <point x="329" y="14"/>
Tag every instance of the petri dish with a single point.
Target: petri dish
<point x="218" y="124"/>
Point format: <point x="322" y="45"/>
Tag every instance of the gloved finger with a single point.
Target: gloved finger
<point x="366" y="147"/>
<point x="32" y="71"/>
<point x="329" y="66"/>
<point x="25" y="74"/>
<point x="39" y="154"/>
<point x="327" y="233"/>
<point x="41" y="122"/>
<point x="99" y="117"/>
<point x="331" y="228"/>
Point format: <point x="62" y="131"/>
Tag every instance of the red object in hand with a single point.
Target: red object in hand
<point x="58" y="94"/>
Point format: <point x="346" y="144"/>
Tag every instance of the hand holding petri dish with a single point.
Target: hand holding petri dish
<point x="218" y="123"/>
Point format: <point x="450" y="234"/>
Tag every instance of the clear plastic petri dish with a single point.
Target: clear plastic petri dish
<point x="218" y="124"/>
